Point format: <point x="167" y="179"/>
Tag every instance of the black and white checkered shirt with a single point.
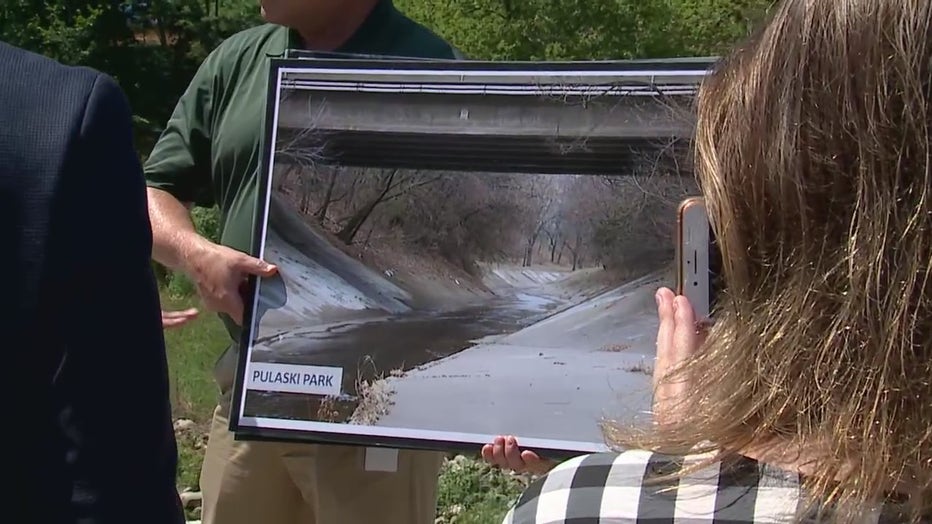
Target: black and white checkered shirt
<point x="606" y="488"/>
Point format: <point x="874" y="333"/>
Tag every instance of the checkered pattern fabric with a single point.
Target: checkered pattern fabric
<point x="613" y="488"/>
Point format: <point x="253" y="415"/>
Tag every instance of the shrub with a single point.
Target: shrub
<point x="472" y="492"/>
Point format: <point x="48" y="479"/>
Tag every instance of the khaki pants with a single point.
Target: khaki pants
<point x="282" y="483"/>
<point x="246" y="482"/>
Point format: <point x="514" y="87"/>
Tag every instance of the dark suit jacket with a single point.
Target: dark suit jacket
<point x="87" y="420"/>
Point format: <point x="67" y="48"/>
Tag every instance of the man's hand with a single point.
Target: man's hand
<point x="219" y="273"/>
<point x="505" y="453"/>
<point x="173" y="319"/>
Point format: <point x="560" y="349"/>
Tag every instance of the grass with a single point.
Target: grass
<point x="470" y="492"/>
<point x="192" y="351"/>
<point x="374" y="396"/>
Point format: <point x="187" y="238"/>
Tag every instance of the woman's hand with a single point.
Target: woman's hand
<point x="678" y="337"/>
<point x="505" y="453"/>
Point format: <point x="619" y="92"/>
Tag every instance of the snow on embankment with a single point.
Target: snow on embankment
<point x="571" y="286"/>
<point x="581" y="285"/>
<point x="315" y="277"/>
<point x="500" y="277"/>
<point x="601" y="322"/>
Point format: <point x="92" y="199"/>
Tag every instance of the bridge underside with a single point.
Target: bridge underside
<point x="489" y="132"/>
<point x="485" y="152"/>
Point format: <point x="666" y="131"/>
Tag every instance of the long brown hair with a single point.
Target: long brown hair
<point x="813" y="153"/>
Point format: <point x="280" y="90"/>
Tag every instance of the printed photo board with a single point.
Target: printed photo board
<point x="464" y="249"/>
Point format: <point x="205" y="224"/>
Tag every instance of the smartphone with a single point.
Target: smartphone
<point x="697" y="258"/>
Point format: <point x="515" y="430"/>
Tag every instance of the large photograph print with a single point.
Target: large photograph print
<point x="465" y="249"/>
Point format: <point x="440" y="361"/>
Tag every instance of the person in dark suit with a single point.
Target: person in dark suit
<point x="87" y="419"/>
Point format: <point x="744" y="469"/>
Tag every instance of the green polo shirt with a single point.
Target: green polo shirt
<point x="209" y="152"/>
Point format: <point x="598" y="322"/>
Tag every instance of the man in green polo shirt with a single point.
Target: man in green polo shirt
<point x="209" y="154"/>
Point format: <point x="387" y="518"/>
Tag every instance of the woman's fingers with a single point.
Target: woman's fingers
<point x="686" y="333"/>
<point x="498" y="452"/>
<point x="505" y="453"/>
<point x="487" y="453"/>
<point x="665" y="332"/>
<point x="513" y="455"/>
<point x="535" y="464"/>
<point x="678" y="337"/>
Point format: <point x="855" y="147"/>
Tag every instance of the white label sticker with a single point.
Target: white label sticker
<point x="382" y="459"/>
<point x="287" y="378"/>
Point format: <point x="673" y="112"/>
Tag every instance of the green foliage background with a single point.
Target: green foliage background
<point x="588" y="29"/>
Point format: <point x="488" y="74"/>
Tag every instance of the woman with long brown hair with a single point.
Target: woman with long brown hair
<point x="811" y="397"/>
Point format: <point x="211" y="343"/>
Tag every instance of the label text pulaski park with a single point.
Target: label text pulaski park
<point x="292" y="378"/>
<point x="288" y="378"/>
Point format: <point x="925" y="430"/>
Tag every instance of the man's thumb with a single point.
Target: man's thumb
<point x="254" y="266"/>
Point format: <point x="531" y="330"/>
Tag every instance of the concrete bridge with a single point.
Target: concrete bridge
<point x="563" y="123"/>
<point x="524" y="115"/>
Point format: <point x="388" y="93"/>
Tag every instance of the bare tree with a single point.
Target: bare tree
<point x="637" y="225"/>
<point x="303" y="152"/>
<point x="540" y="198"/>
<point x="392" y="185"/>
<point x="321" y="212"/>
